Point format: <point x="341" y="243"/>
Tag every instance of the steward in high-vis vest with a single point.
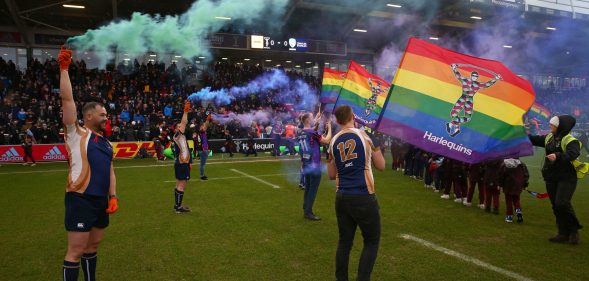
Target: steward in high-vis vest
<point x="560" y="175"/>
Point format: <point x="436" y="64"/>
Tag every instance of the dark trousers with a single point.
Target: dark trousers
<point x="229" y="147"/>
<point x="511" y="202"/>
<point x="204" y="155"/>
<point x="438" y="178"/>
<point x="302" y="179"/>
<point x="353" y="211"/>
<point x="290" y="146"/>
<point x="561" y="194"/>
<point x="28" y="155"/>
<point x="251" y="150"/>
<point x="492" y="197"/>
<point x="408" y="166"/>
<point x="460" y="187"/>
<point x="471" y="188"/>
<point x="277" y="139"/>
<point x="448" y="185"/>
<point x="418" y="168"/>
<point x="312" y="180"/>
<point x="429" y="177"/>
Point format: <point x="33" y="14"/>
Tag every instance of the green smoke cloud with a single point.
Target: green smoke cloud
<point x="180" y="34"/>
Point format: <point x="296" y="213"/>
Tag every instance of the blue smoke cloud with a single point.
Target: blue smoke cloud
<point x="288" y="91"/>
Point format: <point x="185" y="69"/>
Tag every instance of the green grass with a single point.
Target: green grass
<point x="241" y="229"/>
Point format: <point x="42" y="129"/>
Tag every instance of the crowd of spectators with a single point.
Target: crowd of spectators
<point x="144" y="101"/>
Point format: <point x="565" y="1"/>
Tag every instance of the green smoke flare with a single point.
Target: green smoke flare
<point x="180" y="34"/>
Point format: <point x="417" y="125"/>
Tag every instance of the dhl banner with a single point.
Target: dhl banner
<point x="57" y="152"/>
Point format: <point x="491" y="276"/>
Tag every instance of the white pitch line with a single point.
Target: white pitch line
<point x="241" y="177"/>
<point x="153" y="166"/>
<point x="465" y="257"/>
<point x="255" y="178"/>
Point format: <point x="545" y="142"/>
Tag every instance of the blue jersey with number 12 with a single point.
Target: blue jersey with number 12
<point x="351" y="150"/>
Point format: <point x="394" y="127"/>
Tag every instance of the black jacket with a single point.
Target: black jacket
<point x="561" y="169"/>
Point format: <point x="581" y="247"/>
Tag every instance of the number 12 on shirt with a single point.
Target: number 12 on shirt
<point x="346" y="150"/>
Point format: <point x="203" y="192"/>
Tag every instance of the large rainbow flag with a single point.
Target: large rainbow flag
<point x="466" y="108"/>
<point x="538" y="110"/>
<point x="366" y="93"/>
<point x="332" y="84"/>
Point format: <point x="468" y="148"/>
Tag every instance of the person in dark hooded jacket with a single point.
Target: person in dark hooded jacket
<point x="491" y="181"/>
<point x="514" y="178"/>
<point x="560" y="175"/>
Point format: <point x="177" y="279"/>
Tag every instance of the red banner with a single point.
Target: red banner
<point x="57" y="152"/>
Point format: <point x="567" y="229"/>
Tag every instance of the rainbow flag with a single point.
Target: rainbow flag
<point x="465" y="108"/>
<point x="366" y="93"/>
<point x="332" y="84"/>
<point x="540" y="111"/>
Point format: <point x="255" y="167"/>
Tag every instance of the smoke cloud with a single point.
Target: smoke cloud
<point x="179" y="34"/>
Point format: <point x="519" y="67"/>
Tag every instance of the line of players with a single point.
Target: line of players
<point x="442" y="174"/>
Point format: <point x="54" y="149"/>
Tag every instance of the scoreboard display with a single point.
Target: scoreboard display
<point x="293" y="44"/>
<point x="278" y="43"/>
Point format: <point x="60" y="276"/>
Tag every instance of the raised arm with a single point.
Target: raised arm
<point x="68" y="105"/>
<point x="327" y="138"/>
<point x="184" y="120"/>
<point x="456" y="72"/>
<point x="493" y="81"/>
<point x="317" y="120"/>
<point x="208" y="121"/>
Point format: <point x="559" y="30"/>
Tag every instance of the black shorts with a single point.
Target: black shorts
<point x="182" y="171"/>
<point x="82" y="212"/>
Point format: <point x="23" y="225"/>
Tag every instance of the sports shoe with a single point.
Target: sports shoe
<point x="33" y="165"/>
<point x="574" y="238"/>
<point x="482" y="206"/>
<point x="312" y="217"/>
<point x="182" y="209"/>
<point x="509" y="219"/>
<point x="25" y="164"/>
<point x="496" y="211"/>
<point x="204" y="178"/>
<point x="436" y="190"/>
<point x="467" y="204"/>
<point x="302" y="187"/>
<point x="458" y="200"/>
<point x="520" y="218"/>
<point x="445" y="196"/>
<point x="559" y="239"/>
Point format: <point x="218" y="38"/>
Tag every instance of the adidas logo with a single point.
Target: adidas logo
<point x="54" y="154"/>
<point x="11" y="155"/>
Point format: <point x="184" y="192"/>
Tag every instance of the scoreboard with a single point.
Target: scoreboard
<point x="294" y="44"/>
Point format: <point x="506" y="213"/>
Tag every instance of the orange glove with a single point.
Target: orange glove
<point x="187" y="106"/>
<point x="65" y="58"/>
<point x="113" y="205"/>
<point x="209" y="117"/>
